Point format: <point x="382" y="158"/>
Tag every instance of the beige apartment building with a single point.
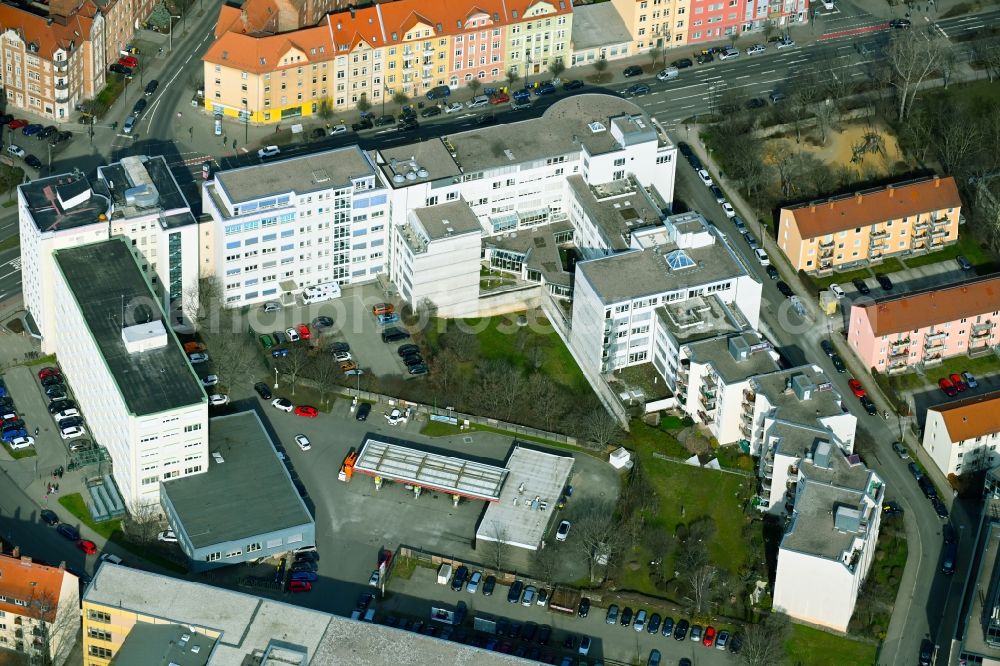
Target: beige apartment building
<point x="654" y="23"/>
<point x="864" y="228"/>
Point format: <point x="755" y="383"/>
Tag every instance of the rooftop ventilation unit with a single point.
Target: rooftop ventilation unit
<point x="597" y="127"/>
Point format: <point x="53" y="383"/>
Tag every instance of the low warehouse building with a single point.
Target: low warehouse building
<point x="245" y="508"/>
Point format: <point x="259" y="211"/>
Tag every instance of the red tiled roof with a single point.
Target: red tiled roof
<point x="24" y="580"/>
<point x="972" y="417"/>
<point x="36" y="29"/>
<point x="861" y="210"/>
<point x="934" y="306"/>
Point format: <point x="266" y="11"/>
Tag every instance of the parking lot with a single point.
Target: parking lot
<point x="415" y="596"/>
<point x="354" y="323"/>
<point x="354" y="521"/>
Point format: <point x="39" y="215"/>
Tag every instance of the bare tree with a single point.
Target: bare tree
<point x="501" y="385"/>
<point x="602" y="429"/>
<point x="948" y="62"/>
<point x="291" y="366"/>
<point x="824" y="112"/>
<point x="497" y="546"/>
<point x="546" y="563"/>
<point x="988" y="55"/>
<point x="446" y="377"/>
<point x="764" y="642"/>
<point x="142" y="522"/>
<point x="548" y="400"/>
<point x="52" y="629"/>
<point x="557" y="67"/>
<point x="600" y="65"/>
<point x="701" y="584"/>
<point x="236" y="355"/>
<point x="655" y="53"/>
<point x="326" y="373"/>
<point x="912" y="56"/>
<point x="400" y="98"/>
<point x="596" y="533"/>
<point x="203" y="303"/>
<point x="512" y="77"/>
<point x="474" y="85"/>
<point x="463" y="344"/>
<point x="363" y="104"/>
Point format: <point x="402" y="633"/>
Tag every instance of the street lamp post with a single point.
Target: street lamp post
<point x="276" y="379"/>
<point x="170" y="33"/>
<point x="246" y="122"/>
<point x="385" y="90"/>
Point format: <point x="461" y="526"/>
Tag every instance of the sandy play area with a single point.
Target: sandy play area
<point x="840" y="146"/>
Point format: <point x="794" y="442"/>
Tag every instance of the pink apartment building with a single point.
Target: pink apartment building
<point x="894" y="334"/>
<point x="713" y="20"/>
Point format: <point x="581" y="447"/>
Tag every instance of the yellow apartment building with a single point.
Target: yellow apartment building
<point x="864" y="228"/>
<point x="654" y="23"/>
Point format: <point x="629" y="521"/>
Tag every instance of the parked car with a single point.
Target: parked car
<point x="268" y="152"/>
<point x="33" y="162"/>
<point x="939" y="508"/>
<point x="756" y="49"/>
<point x="838" y="363"/>
<point x="284" y="404"/>
<point x="363" y="124"/>
<point x="668" y="626"/>
<point x="861" y="286"/>
<point x="364" y="409"/>
<point x="488" y="585"/>
<point x="884" y="281"/>
<point x="151" y="87"/>
<point x="785" y="42"/>
<point x="892" y="509"/>
<point x="563" y="530"/>
<point x="626" y="619"/>
<point x="573" y="84"/>
<point x="705" y="178"/>
<point x="612" y="614"/>
<point x="722" y="640"/>
<point x="474" y="581"/>
<point x="640" y="620"/>
<point x="458" y="580"/>
<point x="263" y="390"/>
<point x="529" y="595"/>
<point x="900" y="450"/>
<point x="198" y="358"/>
<point x="916" y="471"/>
<point x="87" y="546"/>
<point x="514" y="593"/>
<point x="583" y="610"/>
<point x="837" y="290"/>
<point x="784" y="289"/>
<point x="959" y="383"/>
<point x="709" y="639"/>
<point x="68" y="532"/>
<point x="307" y="411"/>
<point x="869" y="406"/>
<point x="633" y="70"/>
<point x="963" y="263"/>
<point x="681" y="630"/>
<point x="729" y="53"/>
<point x="682" y="63"/>
<point x="948" y="388"/>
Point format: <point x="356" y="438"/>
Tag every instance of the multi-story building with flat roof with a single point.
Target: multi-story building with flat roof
<point x="895" y="333"/>
<point x="39" y="609"/>
<point x="829" y="542"/>
<point x="977" y="635"/>
<point x="615" y="297"/>
<point x="864" y="228"/>
<point x="961" y="437"/>
<point x="141" y="398"/>
<point x="282" y="226"/>
<point x="136" y="618"/>
<point x="271" y="64"/>
<point x="137" y="198"/>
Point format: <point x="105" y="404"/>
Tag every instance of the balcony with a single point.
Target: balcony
<point x="826" y="245"/>
<point x="707" y="402"/>
<point x="793" y="470"/>
<point x="899" y="352"/>
<point x="707" y="391"/>
<point x="705" y="418"/>
<point x="982" y="330"/>
<point x="940" y="221"/>
<point x="933" y="359"/>
<point x="766" y="484"/>
<point x="897" y="367"/>
<point x="749" y="397"/>
<point x="902" y="342"/>
<point x="938" y="234"/>
<point x="879" y="235"/>
<point x="709" y="381"/>
<point x="745" y="429"/>
<point x="921" y="224"/>
<point x="934" y="337"/>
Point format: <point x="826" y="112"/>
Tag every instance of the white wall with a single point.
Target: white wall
<point x="958" y="457"/>
<point x="447" y="273"/>
<point x="140" y="447"/>
<point x="815" y="590"/>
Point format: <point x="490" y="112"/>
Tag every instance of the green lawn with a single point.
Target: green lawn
<point x="981" y="365"/>
<point x="967" y="246"/>
<point x="842" y="278"/>
<point x="686" y="493"/>
<point x="22" y="453"/>
<point x="112" y="531"/>
<point x="811" y="647"/>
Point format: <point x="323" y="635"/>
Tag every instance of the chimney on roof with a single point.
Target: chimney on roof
<point x="352" y="11"/>
<point x="339" y="26"/>
<point x="812" y="208"/>
<point x="832" y="204"/>
<point x="858" y="197"/>
<point x="245" y="18"/>
<point x="937" y="181"/>
<point x="891" y="190"/>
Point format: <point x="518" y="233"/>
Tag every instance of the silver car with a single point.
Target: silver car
<point x="473" y="585"/>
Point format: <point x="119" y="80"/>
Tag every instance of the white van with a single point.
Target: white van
<point x="668" y="74"/>
<point x="320" y="292"/>
<point x="478" y="102"/>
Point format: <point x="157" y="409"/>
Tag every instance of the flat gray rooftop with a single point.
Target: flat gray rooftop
<point x="249" y="494"/>
<point x="562" y="130"/>
<point x="252" y="626"/>
<point x="598" y="25"/>
<point x="135" y="171"/>
<point x="796" y="438"/>
<point x="102" y="277"/>
<point x="419" y="162"/>
<point x="448" y="219"/>
<point x="628" y="275"/>
<point x="622" y="207"/>
<point x="528" y="500"/>
<point x="331" y="169"/>
<point x="430" y="470"/>
<point x="698" y="318"/>
<point x="155" y="644"/>
<point x="823" y="402"/>
<point x="716" y="352"/>
<point x="43" y="199"/>
<point x="813" y="530"/>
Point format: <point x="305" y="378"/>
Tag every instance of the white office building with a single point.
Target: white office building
<point x="803" y="395"/>
<point x="436" y="258"/>
<point x="616" y="297"/>
<point x="829" y="543"/>
<point x="137" y="198"/>
<point x="282" y="226"/>
<point x="962" y="436"/>
<point x="129" y="375"/>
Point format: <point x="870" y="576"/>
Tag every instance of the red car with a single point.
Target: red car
<point x="17" y="124"/>
<point x="86" y="546"/>
<point x="948" y="388"/>
<point x="959" y="383"/>
<point x="299" y="586"/>
<point x="303" y="331"/>
<point x="307" y="411"/>
<point x="709" y="639"/>
<point x="856" y="388"/>
<point x="49" y="372"/>
<point x="500" y="98"/>
<point x="128" y="61"/>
